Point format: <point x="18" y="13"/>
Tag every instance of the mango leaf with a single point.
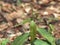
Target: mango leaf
<point x="33" y="30"/>
<point x="47" y="35"/>
<point x="40" y="42"/>
<point x="20" y="39"/>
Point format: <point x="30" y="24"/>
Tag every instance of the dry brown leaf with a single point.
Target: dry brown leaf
<point x="3" y="26"/>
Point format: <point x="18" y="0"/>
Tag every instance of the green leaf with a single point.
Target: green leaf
<point x="20" y="39"/>
<point x="51" y="27"/>
<point x="18" y="2"/>
<point x="47" y="35"/>
<point x="27" y="20"/>
<point x="40" y="42"/>
<point x="4" y="42"/>
<point x="23" y="22"/>
<point x="33" y="30"/>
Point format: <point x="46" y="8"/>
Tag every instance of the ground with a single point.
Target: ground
<point x="41" y="11"/>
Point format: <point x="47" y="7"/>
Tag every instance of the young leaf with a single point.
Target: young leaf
<point x="32" y="30"/>
<point x="20" y="39"/>
<point x="51" y="27"/>
<point x="40" y="42"/>
<point x="47" y="35"/>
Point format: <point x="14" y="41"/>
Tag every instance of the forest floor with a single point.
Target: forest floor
<point x="43" y="12"/>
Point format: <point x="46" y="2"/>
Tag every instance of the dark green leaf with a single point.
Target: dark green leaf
<point x="47" y="35"/>
<point x="20" y="39"/>
<point x="40" y="42"/>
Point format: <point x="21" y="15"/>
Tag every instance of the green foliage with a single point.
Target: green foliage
<point x="51" y="27"/>
<point x="4" y="41"/>
<point x="20" y="39"/>
<point x="40" y="42"/>
<point x="33" y="30"/>
<point x="23" y="22"/>
<point x="18" y="2"/>
<point x="47" y="35"/>
<point x="26" y="20"/>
